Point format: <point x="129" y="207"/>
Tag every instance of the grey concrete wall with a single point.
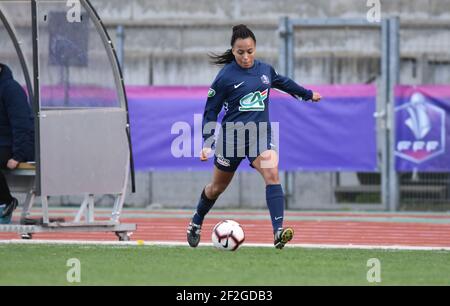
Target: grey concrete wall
<point x="167" y="40"/>
<point x="139" y="10"/>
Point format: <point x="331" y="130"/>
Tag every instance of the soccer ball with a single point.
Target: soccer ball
<point x="228" y="235"/>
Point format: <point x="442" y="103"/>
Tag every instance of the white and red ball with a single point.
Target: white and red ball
<point x="228" y="235"/>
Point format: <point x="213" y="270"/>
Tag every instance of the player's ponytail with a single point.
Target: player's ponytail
<point x="221" y="59"/>
<point x="239" y="31"/>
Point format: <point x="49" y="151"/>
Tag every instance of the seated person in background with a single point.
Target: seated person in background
<point x="16" y="136"/>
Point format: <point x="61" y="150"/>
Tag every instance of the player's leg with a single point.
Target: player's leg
<point x="5" y="199"/>
<point x="221" y="180"/>
<point x="7" y="202"/>
<point x="267" y="165"/>
<point x="5" y="194"/>
<point x="212" y="191"/>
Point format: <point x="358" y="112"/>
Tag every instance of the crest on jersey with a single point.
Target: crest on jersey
<point x="265" y="79"/>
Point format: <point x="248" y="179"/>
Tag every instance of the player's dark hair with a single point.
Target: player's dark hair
<point x="239" y="31"/>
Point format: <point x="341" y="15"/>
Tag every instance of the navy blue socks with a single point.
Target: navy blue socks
<point x="275" y="203"/>
<point x="203" y="207"/>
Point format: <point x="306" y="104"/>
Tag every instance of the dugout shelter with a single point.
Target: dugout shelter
<point x="63" y="56"/>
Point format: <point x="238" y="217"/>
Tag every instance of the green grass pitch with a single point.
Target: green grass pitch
<point x="169" y="265"/>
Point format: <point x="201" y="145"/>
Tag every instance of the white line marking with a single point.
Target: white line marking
<point x="180" y="243"/>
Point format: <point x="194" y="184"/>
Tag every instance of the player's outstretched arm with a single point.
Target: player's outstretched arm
<point x="289" y="86"/>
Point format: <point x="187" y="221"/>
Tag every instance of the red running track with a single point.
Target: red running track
<point x="259" y="231"/>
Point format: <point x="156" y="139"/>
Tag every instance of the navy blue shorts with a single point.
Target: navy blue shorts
<point x="228" y="156"/>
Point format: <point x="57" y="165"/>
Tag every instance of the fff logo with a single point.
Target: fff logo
<point x="420" y="130"/>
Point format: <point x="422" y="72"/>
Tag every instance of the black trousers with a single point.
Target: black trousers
<point x="5" y="194"/>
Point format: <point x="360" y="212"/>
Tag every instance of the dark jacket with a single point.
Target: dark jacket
<point x="16" y="118"/>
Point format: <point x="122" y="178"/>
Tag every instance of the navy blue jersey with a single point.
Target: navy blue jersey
<point x="244" y="94"/>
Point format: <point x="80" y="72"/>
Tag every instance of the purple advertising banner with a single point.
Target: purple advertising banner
<point x="337" y="134"/>
<point x="422" y="121"/>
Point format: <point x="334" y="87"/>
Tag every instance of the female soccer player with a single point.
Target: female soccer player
<point x="242" y="87"/>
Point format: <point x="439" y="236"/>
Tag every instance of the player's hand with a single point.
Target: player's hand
<point x="204" y="154"/>
<point x="316" y="97"/>
<point x="12" y="164"/>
